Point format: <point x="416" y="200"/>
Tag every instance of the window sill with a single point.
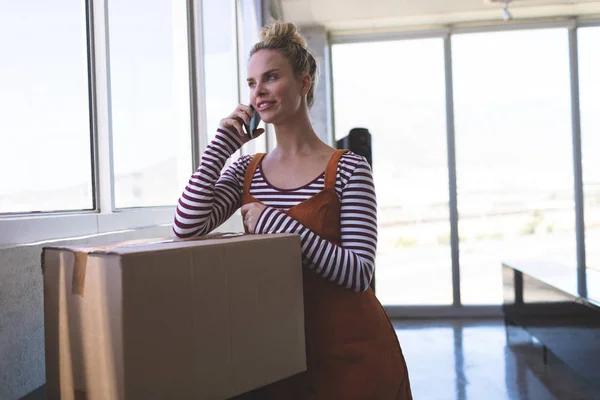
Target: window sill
<point x="39" y="228"/>
<point x="30" y="229"/>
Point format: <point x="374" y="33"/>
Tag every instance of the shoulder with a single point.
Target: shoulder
<point x="351" y="157"/>
<point x="245" y="159"/>
<point x="352" y="168"/>
<point x="239" y="166"/>
<point x="351" y="163"/>
<point x="242" y="161"/>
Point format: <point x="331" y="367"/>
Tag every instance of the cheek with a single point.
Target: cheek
<point x="292" y="96"/>
<point x="287" y="95"/>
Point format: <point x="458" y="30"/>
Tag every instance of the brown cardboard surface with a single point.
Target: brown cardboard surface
<point x="201" y="319"/>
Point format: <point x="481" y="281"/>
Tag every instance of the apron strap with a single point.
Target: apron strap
<point x="331" y="170"/>
<point x="251" y="170"/>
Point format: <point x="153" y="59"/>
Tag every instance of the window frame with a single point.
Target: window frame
<point x="458" y="309"/>
<point x="27" y="227"/>
<point x="21" y="228"/>
<point x="35" y="226"/>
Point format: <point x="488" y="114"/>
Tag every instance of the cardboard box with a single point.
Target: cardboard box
<point x="172" y="319"/>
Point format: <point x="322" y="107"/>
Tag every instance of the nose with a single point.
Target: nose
<point x="259" y="89"/>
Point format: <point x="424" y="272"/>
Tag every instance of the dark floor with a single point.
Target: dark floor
<point x="460" y="360"/>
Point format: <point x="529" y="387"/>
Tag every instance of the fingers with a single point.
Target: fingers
<point x="241" y="115"/>
<point x="250" y="215"/>
<point x="247" y="217"/>
<point x="250" y="224"/>
<point x="246" y="109"/>
<point x="244" y="115"/>
<point x="235" y="124"/>
<point x="245" y="209"/>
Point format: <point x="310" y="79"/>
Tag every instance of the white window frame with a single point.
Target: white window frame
<point x="40" y="226"/>
<point x="23" y="228"/>
<point x="457" y="309"/>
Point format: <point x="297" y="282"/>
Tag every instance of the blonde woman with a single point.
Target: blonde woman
<point x="326" y="196"/>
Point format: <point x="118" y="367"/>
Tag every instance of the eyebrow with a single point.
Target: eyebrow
<point x="265" y="73"/>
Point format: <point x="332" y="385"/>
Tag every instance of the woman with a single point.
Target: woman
<point x="327" y="197"/>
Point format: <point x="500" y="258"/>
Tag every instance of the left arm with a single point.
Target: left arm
<point x="350" y="265"/>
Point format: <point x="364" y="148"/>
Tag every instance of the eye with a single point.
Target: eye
<point x="251" y="84"/>
<point x="271" y="77"/>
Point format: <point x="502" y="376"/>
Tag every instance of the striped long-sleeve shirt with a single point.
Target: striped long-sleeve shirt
<point x="211" y="197"/>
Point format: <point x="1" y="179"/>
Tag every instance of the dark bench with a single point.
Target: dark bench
<point x="543" y="299"/>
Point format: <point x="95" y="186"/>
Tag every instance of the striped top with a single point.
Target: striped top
<point x="211" y="197"/>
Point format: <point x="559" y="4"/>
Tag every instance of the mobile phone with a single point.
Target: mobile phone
<point x="254" y="121"/>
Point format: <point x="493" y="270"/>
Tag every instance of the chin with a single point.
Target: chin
<point x="276" y="116"/>
<point x="266" y="119"/>
<point x="269" y="117"/>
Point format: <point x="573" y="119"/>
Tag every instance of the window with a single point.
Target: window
<point x="396" y="89"/>
<point x="150" y="101"/>
<point x="248" y="35"/>
<point x="45" y="152"/>
<point x="589" y="84"/>
<point x="220" y="61"/>
<point x="513" y="153"/>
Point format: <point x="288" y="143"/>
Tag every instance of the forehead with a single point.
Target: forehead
<point x="264" y="60"/>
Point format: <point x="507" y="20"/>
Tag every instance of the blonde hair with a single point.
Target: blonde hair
<point x="284" y="37"/>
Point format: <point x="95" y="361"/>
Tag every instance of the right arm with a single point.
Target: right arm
<point x="210" y="198"/>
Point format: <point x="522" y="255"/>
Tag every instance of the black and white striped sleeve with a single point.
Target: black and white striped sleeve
<point x="210" y="198"/>
<point x="350" y="265"/>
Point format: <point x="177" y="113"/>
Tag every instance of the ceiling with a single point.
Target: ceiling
<point x="385" y="14"/>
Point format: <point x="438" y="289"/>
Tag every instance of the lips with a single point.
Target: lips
<point x="264" y="105"/>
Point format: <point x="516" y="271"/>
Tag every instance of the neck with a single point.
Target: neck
<point x="296" y="136"/>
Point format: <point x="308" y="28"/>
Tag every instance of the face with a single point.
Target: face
<point x="275" y="92"/>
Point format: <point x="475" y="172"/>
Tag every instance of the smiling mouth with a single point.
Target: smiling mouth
<point x="263" y="105"/>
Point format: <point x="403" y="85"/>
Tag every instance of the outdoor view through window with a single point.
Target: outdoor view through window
<point x="396" y="90"/>
<point x="589" y="65"/>
<point x="45" y="152"/>
<point x="150" y="101"/>
<point x="514" y="155"/>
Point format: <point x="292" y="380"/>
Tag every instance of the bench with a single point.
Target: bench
<point x="543" y="299"/>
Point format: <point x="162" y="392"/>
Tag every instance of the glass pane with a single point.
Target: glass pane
<point x="589" y="84"/>
<point x="220" y="61"/>
<point x="514" y="154"/>
<point x="396" y="90"/>
<point x="248" y="31"/>
<point x="150" y="101"/>
<point x="45" y="155"/>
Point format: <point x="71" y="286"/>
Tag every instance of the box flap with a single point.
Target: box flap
<point x="146" y="245"/>
<point x="174" y="243"/>
<point x="114" y="246"/>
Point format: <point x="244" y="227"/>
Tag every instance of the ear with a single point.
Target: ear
<point x="306" y="84"/>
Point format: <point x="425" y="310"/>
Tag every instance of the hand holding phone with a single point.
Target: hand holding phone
<point x="254" y="121"/>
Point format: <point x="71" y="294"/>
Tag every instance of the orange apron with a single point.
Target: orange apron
<point x="352" y="350"/>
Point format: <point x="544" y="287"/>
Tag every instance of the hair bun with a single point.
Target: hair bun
<point x="282" y="30"/>
<point x="285" y="38"/>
